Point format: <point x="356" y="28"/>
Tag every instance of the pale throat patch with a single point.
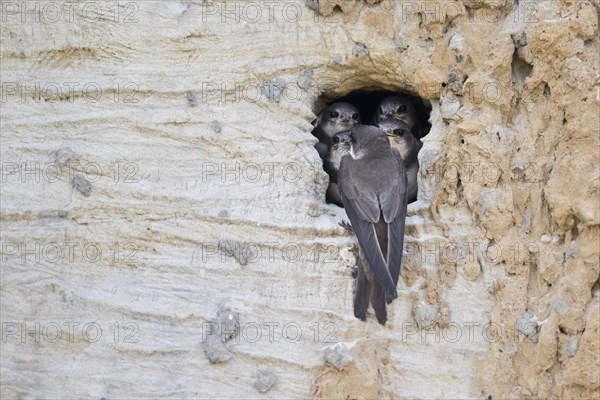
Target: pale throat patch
<point x="333" y="128"/>
<point x="356" y="155"/>
<point x="401" y="145"/>
<point x="404" y="117"/>
<point x="336" y="157"/>
<point x="343" y="126"/>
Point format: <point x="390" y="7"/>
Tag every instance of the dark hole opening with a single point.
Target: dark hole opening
<point x="562" y="329"/>
<point x="367" y="102"/>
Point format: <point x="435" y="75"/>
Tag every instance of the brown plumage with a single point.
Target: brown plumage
<point x="372" y="185"/>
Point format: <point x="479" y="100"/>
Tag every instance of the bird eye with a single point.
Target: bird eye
<point x="335" y="114"/>
<point x="402" y="108"/>
<point x="336" y="139"/>
<point x="355" y="116"/>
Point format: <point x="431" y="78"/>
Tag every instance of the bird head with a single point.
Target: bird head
<point x="342" y="116"/>
<point x="396" y="107"/>
<point x="394" y="129"/>
<point x="366" y="140"/>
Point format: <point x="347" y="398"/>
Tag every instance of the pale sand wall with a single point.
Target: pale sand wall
<point x="508" y="167"/>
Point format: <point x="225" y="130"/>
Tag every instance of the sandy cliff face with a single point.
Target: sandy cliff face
<point x="159" y="183"/>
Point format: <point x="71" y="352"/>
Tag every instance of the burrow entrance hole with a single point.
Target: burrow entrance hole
<point x="367" y="102"/>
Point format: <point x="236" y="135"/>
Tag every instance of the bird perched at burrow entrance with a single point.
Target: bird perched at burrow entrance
<point x="372" y="185"/>
<point x="334" y="119"/>
<point x="399" y="108"/>
<point x="402" y="139"/>
<point x="340" y="146"/>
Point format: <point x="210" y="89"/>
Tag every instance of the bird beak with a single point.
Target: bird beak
<point x="344" y="139"/>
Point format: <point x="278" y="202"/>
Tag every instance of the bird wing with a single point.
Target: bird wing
<point x="419" y="145"/>
<point x="396" y="201"/>
<point x="322" y="149"/>
<point x="391" y="198"/>
<point x="417" y="129"/>
<point x="318" y="131"/>
<point x="396" y="241"/>
<point x="363" y="211"/>
<point x="363" y="201"/>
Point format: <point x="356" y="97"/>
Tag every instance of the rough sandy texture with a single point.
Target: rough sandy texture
<point x="158" y="168"/>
